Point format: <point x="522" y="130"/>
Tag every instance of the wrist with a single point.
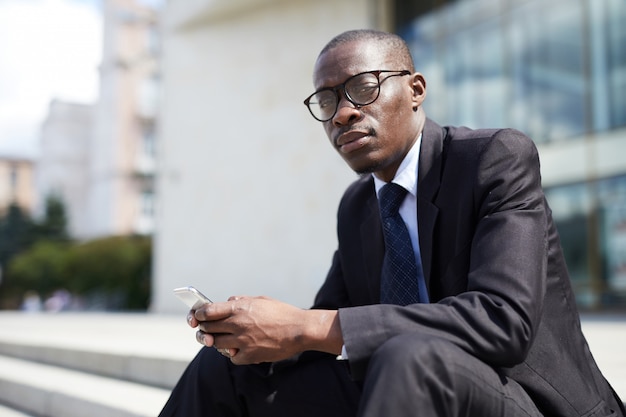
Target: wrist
<point x="322" y="331"/>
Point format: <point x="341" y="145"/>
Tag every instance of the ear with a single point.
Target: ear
<point x="418" y="84"/>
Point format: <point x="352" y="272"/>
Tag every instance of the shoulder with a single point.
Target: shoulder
<point x="484" y="138"/>
<point x="487" y="144"/>
<point x="358" y="193"/>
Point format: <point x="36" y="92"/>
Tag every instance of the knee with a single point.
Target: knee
<point x="207" y="366"/>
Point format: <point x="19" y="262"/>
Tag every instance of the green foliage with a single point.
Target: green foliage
<point x="40" y="268"/>
<point x="17" y="232"/>
<point x="54" y="224"/>
<point x="40" y="257"/>
<point x="112" y="266"/>
<point x="113" y="269"/>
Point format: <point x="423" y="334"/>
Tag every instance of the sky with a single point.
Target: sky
<point x="48" y="49"/>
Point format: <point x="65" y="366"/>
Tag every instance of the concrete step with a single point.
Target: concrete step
<point x="147" y="349"/>
<point x="104" y="364"/>
<point x="90" y="364"/>
<point x="51" y="391"/>
<point x="9" y="412"/>
<point x="151" y="370"/>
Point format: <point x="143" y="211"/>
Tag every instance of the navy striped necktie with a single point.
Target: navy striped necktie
<point x="399" y="278"/>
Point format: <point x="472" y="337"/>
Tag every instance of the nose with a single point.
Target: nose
<point x="346" y="113"/>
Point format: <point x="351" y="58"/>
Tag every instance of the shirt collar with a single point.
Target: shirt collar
<point x="406" y="175"/>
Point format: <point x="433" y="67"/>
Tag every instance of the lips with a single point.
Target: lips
<point x="352" y="140"/>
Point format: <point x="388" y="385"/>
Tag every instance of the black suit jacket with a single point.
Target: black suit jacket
<point x="497" y="281"/>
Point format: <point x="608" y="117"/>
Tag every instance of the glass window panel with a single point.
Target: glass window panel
<point x="520" y="65"/>
<point x="147" y="203"/>
<point x="601" y="113"/>
<point x="474" y="76"/>
<point x="548" y="70"/>
<point x="617" y="60"/>
<point x="424" y="37"/>
<point x="612" y="203"/>
<point x="570" y="210"/>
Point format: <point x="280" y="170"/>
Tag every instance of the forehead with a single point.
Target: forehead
<point x="345" y="60"/>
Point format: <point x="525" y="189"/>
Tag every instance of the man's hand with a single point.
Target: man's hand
<point x="260" y="329"/>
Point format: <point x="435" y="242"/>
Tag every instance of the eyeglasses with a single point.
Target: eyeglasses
<point x="360" y="89"/>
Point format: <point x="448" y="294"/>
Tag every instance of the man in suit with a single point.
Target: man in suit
<point x="488" y="324"/>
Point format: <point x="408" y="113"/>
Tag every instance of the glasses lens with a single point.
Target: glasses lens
<point x="323" y="104"/>
<point x="363" y="89"/>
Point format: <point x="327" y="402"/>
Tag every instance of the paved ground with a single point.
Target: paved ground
<point x="169" y="337"/>
<point x="606" y="335"/>
<point x="152" y="335"/>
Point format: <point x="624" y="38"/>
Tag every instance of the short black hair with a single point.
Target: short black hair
<point x="391" y="41"/>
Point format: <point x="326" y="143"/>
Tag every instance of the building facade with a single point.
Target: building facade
<point x="63" y="164"/>
<point x="556" y="71"/>
<point x="17" y="185"/>
<point x="122" y="152"/>
<point x="100" y="158"/>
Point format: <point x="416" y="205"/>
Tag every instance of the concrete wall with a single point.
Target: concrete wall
<point x="248" y="186"/>
<point x="584" y="158"/>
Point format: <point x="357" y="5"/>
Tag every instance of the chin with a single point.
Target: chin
<point x="363" y="163"/>
<point x="363" y="169"/>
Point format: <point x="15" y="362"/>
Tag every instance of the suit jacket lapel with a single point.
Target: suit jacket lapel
<point x="429" y="177"/>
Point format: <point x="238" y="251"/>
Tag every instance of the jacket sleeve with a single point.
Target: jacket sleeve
<point x="495" y="315"/>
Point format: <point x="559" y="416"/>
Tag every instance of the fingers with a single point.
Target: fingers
<point x="206" y="339"/>
<point x="209" y="340"/>
<point x="191" y="319"/>
<point x="214" y="311"/>
<point x="228" y="352"/>
<point x="215" y="340"/>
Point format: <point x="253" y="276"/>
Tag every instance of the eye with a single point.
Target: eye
<point x="324" y="99"/>
<point x="325" y="103"/>
<point x="363" y="89"/>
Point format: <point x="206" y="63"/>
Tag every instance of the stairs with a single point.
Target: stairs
<point x="124" y="365"/>
<point x="97" y="365"/>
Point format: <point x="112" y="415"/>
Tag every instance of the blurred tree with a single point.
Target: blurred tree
<point x="17" y="233"/>
<point x="54" y="223"/>
<point x="113" y="267"/>
<point x="111" y="273"/>
<point x="39" y="269"/>
<point x="40" y="257"/>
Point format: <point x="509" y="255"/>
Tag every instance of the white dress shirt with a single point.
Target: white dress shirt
<point x="406" y="177"/>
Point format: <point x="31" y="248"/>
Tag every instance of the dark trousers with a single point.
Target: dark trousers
<point x="409" y="375"/>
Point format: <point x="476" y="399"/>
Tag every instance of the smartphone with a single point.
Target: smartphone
<point x="193" y="298"/>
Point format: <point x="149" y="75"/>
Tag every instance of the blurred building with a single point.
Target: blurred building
<point x="122" y="152"/>
<point x="16" y="183"/>
<point x="63" y="165"/>
<point x="100" y="158"/>
<point x="248" y="187"/>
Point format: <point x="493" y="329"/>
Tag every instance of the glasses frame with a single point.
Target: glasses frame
<point x="342" y="87"/>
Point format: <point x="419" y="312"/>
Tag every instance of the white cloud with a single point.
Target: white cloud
<point x="48" y="49"/>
